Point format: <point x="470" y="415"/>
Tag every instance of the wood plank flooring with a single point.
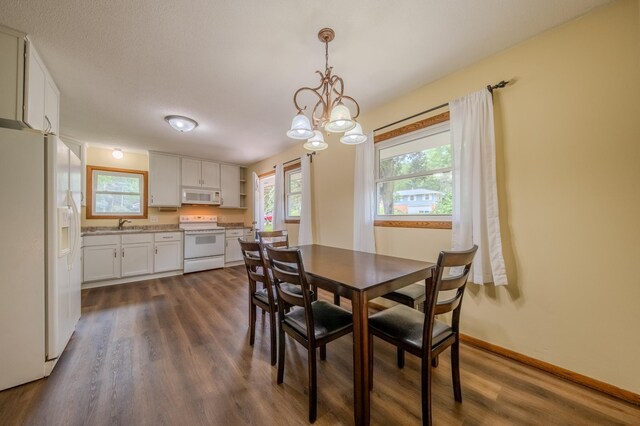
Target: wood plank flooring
<point x="174" y="351"/>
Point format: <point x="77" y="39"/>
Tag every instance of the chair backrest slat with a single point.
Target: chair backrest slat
<point x="456" y="260"/>
<point x="274" y="238"/>
<point x="288" y="270"/>
<point x="254" y="261"/>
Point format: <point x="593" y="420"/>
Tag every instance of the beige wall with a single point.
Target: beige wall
<point x="568" y="154"/>
<point x="97" y="156"/>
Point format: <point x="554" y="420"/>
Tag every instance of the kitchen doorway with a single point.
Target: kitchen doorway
<point x="266" y="194"/>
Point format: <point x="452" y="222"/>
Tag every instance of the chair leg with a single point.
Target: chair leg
<point x="400" y="358"/>
<point x="323" y="352"/>
<point x="455" y="370"/>
<point x="252" y="323"/>
<point x="426" y="392"/>
<point x="435" y="361"/>
<point x="313" y="386"/>
<point x="370" y="361"/>
<point x="272" y="326"/>
<point x="281" y="349"/>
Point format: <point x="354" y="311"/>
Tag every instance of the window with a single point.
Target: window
<point x="414" y="175"/>
<point x="116" y="193"/>
<point x="293" y="193"/>
<point x="266" y="193"/>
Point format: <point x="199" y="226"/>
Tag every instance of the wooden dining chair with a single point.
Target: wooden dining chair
<point x="311" y="323"/>
<point x="274" y="238"/>
<point x="263" y="298"/>
<point x="412" y="296"/>
<point x="420" y="333"/>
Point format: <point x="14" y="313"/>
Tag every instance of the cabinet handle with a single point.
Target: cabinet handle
<point x="49" y="125"/>
<point x="115" y="253"/>
<point x="123" y="252"/>
<point x="152" y="199"/>
<point x="156" y="249"/>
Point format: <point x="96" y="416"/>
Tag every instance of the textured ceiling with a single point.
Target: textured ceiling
<point x="233" y="66"/>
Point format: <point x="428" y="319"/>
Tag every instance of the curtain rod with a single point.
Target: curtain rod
<point x="490" y="88"/>
<point x="310" y="155"/>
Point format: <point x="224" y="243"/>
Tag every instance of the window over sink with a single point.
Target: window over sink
<point x="116" y="193"/>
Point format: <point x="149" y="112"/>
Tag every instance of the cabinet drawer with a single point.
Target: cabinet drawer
<point x="234" y="233"/>
<point x="100" y="240"/>
<point x="168" y="236"/>
<point x="137" y="238"/>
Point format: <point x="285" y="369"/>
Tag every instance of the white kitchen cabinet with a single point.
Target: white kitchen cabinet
<point x="168" y="252"/>
<point x="230" y="186"/>
<point x="137" y="259"/>
<point x="164" y="180"/>
<point x="100" y="262"/>
<point x="232" y="252"/>
<point x="200" y="173"/>
<point x="29" y="95"/>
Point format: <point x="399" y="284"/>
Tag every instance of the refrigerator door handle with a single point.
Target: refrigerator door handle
<point x="76" y="223"/>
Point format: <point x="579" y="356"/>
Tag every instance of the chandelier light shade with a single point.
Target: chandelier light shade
<point x="354" y="136"/>
<point x="316" y="142"/>
<point x="181" y="123"/>
<point x="300" y="128"/>
<point x="331" y="112"/>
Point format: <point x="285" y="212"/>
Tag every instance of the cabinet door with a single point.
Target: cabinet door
<point x="11" y="74"/>
<point x="210" y="175"/>
<point x="164" y="180"/>
<point x="137" y="259"/>
<point x="232" y="251"/>
<point x="191" y="175"/>
<point x="100" y="263"/>
<point x="168" y="256"/>
<point x="51" y="107"/>
<point x="34" y="90"/>
<point x="230" y="185"/>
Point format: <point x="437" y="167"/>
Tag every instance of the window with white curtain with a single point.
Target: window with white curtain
<point x="293" y="193"/>
<point x="414" y="175"/>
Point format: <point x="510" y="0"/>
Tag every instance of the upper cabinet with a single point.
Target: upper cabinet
<point x="200" y="173"/>
<point x="164" y="180"/>
<point x="29" y="95"/>
<point x="230" y="186"/>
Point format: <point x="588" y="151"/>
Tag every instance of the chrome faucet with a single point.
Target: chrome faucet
<point x="121" y="222"/>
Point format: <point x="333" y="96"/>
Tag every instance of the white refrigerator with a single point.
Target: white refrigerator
<point x="40" y="268"/>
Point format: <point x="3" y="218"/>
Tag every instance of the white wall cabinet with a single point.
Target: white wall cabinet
<point x="164" y="180"/>
<point x="200" y="173"/>
<point x="230" y="186"/>
<point x="112" y="257"/>
<point x="29" y="94"/>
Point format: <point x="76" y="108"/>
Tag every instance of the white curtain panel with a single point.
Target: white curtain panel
<point x="305" y="235"/>
<point x="475" y="195"/>
<point x="278" y="199"/>
<point x="257" y="208"/>
<point x="364" y="197"/>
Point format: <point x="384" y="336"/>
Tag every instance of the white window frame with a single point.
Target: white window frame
<point x="94" y="192"/>
<point x="287" y="194"/>
<point x="418" y="134"/>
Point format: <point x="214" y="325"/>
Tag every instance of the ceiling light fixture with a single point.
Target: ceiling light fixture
<point x="181" y="123"/>
<point x="329" y="113"/>
<point x="117" y="154"/>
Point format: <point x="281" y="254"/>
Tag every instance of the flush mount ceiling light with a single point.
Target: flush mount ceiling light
<point x="329" y="112"/>
<point x="117" y="154"/>
<point x="180" y="123"/>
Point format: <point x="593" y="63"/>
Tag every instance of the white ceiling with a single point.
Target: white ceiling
<point x="233" y="65"/>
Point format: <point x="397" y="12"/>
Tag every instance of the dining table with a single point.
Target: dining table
<point x="360" y="276"/>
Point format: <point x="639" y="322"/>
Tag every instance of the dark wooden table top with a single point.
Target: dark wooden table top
<point x="360" y="271"/>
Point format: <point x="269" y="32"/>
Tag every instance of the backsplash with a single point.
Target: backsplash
<point x="157" y="217"/>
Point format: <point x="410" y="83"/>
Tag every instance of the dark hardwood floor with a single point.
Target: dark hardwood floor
<point x="175" y="351"/>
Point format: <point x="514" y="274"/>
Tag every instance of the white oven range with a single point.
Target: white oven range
<point x="204" y="243"/>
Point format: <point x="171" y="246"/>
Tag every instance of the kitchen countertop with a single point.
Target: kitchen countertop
<point x="136" y="229"/>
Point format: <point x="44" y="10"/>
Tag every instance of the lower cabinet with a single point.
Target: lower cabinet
<point x="232" y="252"/>
<point x="107" y="257"/>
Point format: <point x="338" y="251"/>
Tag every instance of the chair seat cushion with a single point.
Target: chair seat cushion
<point x="404" y="324"/>
<point x="328" y="319"/>
<point x="411" y="295"/>
<point x="290" y="288"/>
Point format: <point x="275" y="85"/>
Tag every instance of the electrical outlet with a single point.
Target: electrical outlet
<point x="153" y="218"/>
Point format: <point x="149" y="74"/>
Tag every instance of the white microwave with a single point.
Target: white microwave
<point x="200" y="196"/>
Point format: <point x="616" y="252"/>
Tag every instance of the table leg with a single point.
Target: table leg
<point x="336" y="299"/>
<point x="361" y="355"/>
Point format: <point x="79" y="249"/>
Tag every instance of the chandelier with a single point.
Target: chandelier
<point x="329" y="112"/>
